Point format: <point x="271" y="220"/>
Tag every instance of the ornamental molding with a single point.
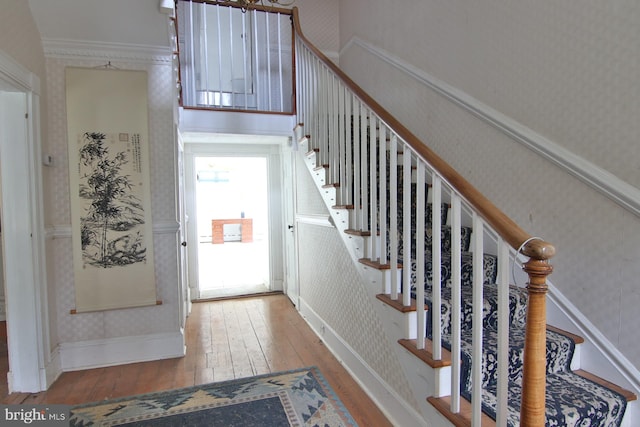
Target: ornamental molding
<point x="74" y="49"/>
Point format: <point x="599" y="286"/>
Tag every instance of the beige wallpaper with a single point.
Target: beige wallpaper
<point x="127" y="322"/>
<point x="332" y="286"/>
<point x="568" y="71"/>
<point x="319" y="21"/>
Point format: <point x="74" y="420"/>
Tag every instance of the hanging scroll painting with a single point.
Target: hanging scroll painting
<point x="107" y="123"/>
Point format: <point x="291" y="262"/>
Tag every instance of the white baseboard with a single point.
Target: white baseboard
<point x="391" y="404"/>
<point x="51" y="370"/>
<point x="117" y="351"/>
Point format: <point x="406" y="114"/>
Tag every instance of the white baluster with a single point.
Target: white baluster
<point x="420" y="234"/>
<point x="436" y="260"/>
<point x="476" y="357"/>
<point x="503" y="333"/>
<point x="374" y="241"/>
<point x="393" y="214"/>
<point x="407" y="239"/>
<point x="456" y="298"/>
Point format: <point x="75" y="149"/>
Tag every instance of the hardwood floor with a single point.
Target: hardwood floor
<point x="225" y="339"/>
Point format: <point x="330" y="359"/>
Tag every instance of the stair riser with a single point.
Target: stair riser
<point x="401" y="325"/>
<point x="424" y="380"/>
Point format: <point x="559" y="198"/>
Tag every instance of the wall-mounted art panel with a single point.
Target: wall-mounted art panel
<point x="107" y="122"/>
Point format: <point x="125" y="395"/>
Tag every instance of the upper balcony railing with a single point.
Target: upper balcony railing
<point x="235" y="59"/>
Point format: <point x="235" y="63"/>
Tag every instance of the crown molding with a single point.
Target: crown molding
<point x="75" y="49"/>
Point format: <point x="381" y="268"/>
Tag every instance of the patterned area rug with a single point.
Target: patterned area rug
<point x="295" y="398"/>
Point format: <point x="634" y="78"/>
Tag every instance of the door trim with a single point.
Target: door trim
<point x="251" y="146"/>
<point x="32" y="366"/>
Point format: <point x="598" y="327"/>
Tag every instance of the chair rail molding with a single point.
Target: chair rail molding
<point x="621" y="192"/>
<point x="65" y="231"/>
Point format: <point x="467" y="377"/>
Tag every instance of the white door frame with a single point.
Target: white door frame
<point x="219" y="145"/>
<point x="23" y="229"/>
<point x="291" y="283"/>
<point x="185" y="290"/>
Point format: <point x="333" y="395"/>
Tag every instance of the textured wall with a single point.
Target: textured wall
<point x="19" y="36"/>
<point x="319" y="22"/>
<point x="333" y="288"/>
<point x="127" y="322"/>
<point x="569" y="72"/>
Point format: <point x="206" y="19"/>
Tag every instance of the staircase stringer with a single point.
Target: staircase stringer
<point x="423" y="379"/>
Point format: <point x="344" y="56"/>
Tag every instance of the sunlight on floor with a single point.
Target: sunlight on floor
<point x="233" y="268"/>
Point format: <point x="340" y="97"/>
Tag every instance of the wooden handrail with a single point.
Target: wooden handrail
<point x="539" y="251"/>
<point x="274" y="9"/>
<point x="504" y="226"/>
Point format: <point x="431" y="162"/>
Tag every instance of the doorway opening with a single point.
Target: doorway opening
<point x="232" y="211"/>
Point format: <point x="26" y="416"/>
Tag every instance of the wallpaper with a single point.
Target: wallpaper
<point x="332" y="286"/>
<point x="126" y="322"/>
<point x="570" y="73"/>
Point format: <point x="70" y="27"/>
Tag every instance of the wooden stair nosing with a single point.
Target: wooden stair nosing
<point x="576" y="338"/>
<point x="321" y="167"/>
<point x="334" y="185"/>
<point x="376" y="264"/>
<point x="347" y="207"/>
<point x="397" y="303"/>
<point x="426" y="354"/>
<point x="462" y="418"/>
<point x="627" y="394"/>
<point x="312" y="151"/>
<point x="362" y="233"/>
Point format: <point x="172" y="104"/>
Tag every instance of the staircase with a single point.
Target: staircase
<point x="440" y="256"/>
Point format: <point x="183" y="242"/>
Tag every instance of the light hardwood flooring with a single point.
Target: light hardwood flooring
<point x="226" y="339"/>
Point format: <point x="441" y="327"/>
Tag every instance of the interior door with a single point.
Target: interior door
<point x="291" y="286"/>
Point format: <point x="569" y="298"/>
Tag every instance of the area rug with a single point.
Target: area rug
<point x="300" y="397"/>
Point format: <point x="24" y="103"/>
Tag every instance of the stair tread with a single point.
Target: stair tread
<point x="397" y="303"/>
<point x="627" y="394"/>
<point x="426" y="354"/>
<point x="576" y="338"/>
<point x="376" y="264"/>
<point x="461" y="419"/>
<point x="357" y="232"/>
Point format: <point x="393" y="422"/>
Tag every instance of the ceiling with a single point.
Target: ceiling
<point x="131" y="22"/>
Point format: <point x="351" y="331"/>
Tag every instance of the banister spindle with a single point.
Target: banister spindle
<point x="532" y="412"/>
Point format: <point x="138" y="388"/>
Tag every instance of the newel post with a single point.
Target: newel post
<point x="532" y="410"/>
